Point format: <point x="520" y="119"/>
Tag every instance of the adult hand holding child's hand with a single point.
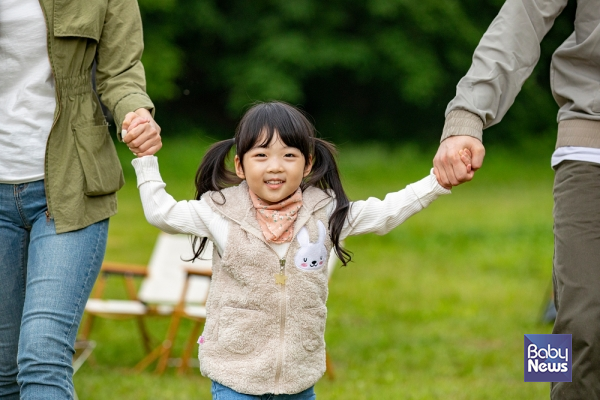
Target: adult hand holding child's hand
<point x="450" y="164"/>
<point x="141" y="133"/>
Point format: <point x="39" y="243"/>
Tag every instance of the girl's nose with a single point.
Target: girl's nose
<point x="275" y="166"/>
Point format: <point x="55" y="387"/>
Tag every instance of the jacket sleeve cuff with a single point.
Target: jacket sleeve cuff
<point x="428" y="189"/>
<point x="146" y="169"/>
<point x="130" y="103"/>
<point x="462" y="123"/>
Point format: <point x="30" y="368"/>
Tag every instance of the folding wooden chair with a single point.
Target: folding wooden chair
<point x="170" y="287"/>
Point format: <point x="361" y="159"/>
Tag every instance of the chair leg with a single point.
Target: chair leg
<point x="144" y="333"/>
<point x="171" y="336"/>
<point x="329" y="367"/>
<point x="86" y="326"/>
<point x="185" y="358"/>
<point x="154" y="354"/>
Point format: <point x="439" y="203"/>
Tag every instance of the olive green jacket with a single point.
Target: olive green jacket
<point x="82" y="171"/>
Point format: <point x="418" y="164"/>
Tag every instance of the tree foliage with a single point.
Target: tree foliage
<point x="364" y="69"/>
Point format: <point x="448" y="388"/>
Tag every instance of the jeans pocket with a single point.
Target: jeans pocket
<point x="98" y="157"/>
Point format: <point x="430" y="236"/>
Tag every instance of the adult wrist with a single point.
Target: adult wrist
<point x="143" y="112"/>
<point x="462" y="123"/>
<point x="130" y="103"/>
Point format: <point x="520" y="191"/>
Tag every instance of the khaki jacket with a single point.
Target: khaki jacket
<point x="506" y="56"/>
<point x="260" y="336"/>
<point x="82" y="171"/>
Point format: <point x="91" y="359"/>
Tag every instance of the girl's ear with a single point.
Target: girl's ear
<point x="239" y="170"/>
<point x="308" y="167"/>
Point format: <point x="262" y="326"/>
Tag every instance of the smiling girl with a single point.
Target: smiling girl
<point x="273" y="221"/>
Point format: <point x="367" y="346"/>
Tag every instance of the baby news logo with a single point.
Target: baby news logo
<point x="548" y="358"/>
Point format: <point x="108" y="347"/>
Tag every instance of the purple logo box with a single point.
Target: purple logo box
<point x="548" y="358"/>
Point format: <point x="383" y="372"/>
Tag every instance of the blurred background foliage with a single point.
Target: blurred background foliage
<point x="365" y="70"/>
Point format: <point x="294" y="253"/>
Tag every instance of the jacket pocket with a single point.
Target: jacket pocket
<point x="239" y="329"/>
<point x="98" y="156"/>
<point x="79" y="18"/>
<point x="312" y="325"/>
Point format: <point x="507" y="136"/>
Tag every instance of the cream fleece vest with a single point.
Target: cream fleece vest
<point x="261" y="336"/>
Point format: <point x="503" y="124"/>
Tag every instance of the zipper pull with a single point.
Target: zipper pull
<point x="280" y="277"/>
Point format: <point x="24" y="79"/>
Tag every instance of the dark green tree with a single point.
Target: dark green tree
<point x="364" y="69"/>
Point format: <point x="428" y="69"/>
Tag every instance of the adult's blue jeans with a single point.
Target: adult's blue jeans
<point x="45" y="281"/>
<point x="221" y="392"/>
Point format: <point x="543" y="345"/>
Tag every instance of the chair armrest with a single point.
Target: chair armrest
<point x="123" y="269"/>
<point x="197" y="271"/>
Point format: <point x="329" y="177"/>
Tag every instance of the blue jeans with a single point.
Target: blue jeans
<point x="45" y="281"/>
<point x="221" y="392"/>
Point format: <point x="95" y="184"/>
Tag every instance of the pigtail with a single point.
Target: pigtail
<point x="213" y="175"/>
<point x="325" y="175"/>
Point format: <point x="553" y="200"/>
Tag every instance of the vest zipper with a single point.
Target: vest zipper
<point x="280" y="277"/>
<point x="283" y="311"/>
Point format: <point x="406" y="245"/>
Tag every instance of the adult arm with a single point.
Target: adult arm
<point x="503" y="60"/>
<point x="381" y="216"/>
<point x="120" y="77"/>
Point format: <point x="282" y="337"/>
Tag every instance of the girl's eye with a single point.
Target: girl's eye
<point x="290" y="155"/>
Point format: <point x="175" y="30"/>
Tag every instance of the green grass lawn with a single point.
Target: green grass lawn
<point x="436" y="309"/>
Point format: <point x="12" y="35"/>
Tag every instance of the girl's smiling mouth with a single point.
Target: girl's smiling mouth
<point x="274" y="183"/>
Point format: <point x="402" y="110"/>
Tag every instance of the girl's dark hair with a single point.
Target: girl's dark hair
<point x="257" y="128"/>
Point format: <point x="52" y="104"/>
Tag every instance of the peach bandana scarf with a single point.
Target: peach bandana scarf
<point x="277" y="220"/>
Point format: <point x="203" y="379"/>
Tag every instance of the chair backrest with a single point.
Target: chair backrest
<point x="166" y="274"/>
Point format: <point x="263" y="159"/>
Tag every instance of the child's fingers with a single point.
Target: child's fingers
<point x="131" y="133"/>
<point x="137" y="122"/>
<point x="151" y="151"/>
<point x="130" y="116"/>
<point x="144" y="139"/>
<point x="442" y="178"/>
<point x="131" y="121"/>
<point x="467" y="162"/>
<point x="465" y="157"/>
<point x="465" y="154"/>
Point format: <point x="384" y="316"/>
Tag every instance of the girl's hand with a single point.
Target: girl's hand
<point x="141" y="133"/>
<point x="466" y="158"/>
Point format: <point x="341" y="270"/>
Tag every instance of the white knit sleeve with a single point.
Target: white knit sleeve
<point x="381" y="216"/>
<point x="192" y="217"/>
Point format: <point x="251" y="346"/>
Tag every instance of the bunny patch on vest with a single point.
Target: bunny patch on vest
<point x="311" y="256"/>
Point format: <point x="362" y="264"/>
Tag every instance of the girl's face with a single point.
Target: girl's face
<point x="273" y="172"/>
